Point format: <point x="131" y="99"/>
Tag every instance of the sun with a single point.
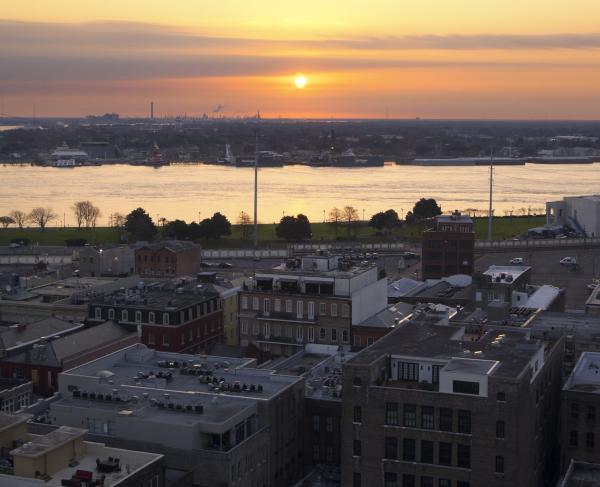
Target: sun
<point x="300" y="81"/>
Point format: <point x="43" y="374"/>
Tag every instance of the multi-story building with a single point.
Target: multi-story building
<point x="431" y="405"/>
<point x="15" y="394"/>
<point x="506" y="283"/>
<point x="170" y="316"/>
<point x="106" y="261"/>
<point x="316" y="300"/>
<point x="63" y="457"/>
<point x="581" y="412"/>
<point x="448" y="247"/>
<point x="167" y="258"/>
<point x="581" y="213"/>
<point x="228" y="423"/>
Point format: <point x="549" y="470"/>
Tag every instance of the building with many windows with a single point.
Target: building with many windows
<point x="315" y="300"/>
<point x="167" y="258"/>
<point x="437" y="405"/>
<point x="581" y="412"/>
<point x="176" y="316"/>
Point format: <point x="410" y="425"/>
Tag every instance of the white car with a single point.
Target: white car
<point x="516" y="260"/>
<point x="568" y="261"/>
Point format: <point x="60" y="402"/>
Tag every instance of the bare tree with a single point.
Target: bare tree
<point x="42" y="216"/>
<point x="335" y="218"/>
<point x="86" y="213"/>
<point x="350" y="215"/>
<point x="20" y="217"/>
<point x="6" y="221"/>
<point x="93" y="216"/>
<point x="244" y="222"/>
<point x="116" y="220"/>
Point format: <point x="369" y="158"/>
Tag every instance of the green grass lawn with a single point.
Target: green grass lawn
<point x="504" y="228"/>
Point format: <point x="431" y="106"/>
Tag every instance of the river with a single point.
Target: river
<point x="192" y="191"/>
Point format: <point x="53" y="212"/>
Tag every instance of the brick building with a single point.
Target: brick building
<point x="316" y="300"/>
<point x="170" y="316"/>
<point x="448" y="247"/>
<point x="167" y="258"/>
<point x="430" y="405"/>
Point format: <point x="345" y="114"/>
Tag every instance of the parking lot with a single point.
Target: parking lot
<point x="546" y="269"/>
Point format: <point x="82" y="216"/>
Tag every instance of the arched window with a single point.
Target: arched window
<point x="98" y="313"/>
<point x="111" y="314"/>
<point x="151" y="318"/>
<point x="124" y="315"/>
<point x="138" y="316"/>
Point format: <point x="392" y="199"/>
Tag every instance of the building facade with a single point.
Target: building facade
<point x="317" y="300"/>
<point x="168" y="258"/>
<point x="448" y="248"/>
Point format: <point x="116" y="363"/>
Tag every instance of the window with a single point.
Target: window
<point x="244" y="327"/>
<point x="299" y="333"/>
<point x="111" y="314"/>
<point x="444" y="483"/>
<point x="427" y="417"/>
<point x="334" y="335"/>
<point x="462" y="483"/>
<point x="409" y="417"/>
<point x="357" y="340"/>
<point x="329" y="424"/>
<point x="345" y="311"/>
<point x="499" y="429"/>
<point x="391" y="413"/>
<point x="333" y="309"/>
<point x="591" y="413"/>
<point x="435" y="374"/>
<point x="345" y="336"/>
<point x="390" y="479"/>
<point x="446" y="419"/>
<point x="244" y="302"/>
<point x="311" y="310"/>
<point x="370" y="341"/>
<point x="356" y="448"/>
<point x="311" y="334"/>
<point x="445" y="453"/>
<point x="299" y="309"/>
<point x="165" y="318"/>
<point x="463" y="456"/>
<point x="465" y="387"/>
<point x="322" y="309"/>
<point x="150" y="338"/>
<point x="589" y="440"/>
<point x="266" y="306"/>
<point x="357" y="414"/>
<point x="356" y="480"/>
<point x="138" y="316"/>
<point x="464" y="421"/>
<point x="255" y="303"/>
<point x="322" y="333"/>
<point x="408" y="449"/>
<point x="267" y="330"/>
<point x="499" y="464"/>
<point x="151" y="317"/>
<point x="255" y="329"/>
<point x="391" y="448"/>
<point x="426" y="481"/>
<point x="575" y="410"/>
<point x="316" y="422"/>
<point x="165" y="340"/>
<point x="124" y="315"/>
<point x="573" y="438"/>
<point x="408" y="371"/>
<point x="288" y="305"/>
<point x="277" y="305"/>
<point x="408" y="480"/>
<point x="426" y="451"/>
<point x="98" y="313"/>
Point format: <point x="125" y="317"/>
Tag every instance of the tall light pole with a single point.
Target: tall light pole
<point x="255" y="232"/>
<point x="491" y="211"/>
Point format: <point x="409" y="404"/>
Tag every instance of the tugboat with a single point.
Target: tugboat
<point x="155" y="158"/>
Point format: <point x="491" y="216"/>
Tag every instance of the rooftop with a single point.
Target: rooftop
<point x="20" y="334"/>
<point x="390" y="317"/>
<point x="586" y="374"/>
<point x="40" y="445"/>
<point x="505" y="273"/>
<point x="453" y="218"/>
<point x="581" y="474"/>
<point x="172" y="245"/>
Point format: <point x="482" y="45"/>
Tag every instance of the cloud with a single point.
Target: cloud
<point x="129" y="50"/>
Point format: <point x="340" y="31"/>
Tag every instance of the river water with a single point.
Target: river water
<point x="182" y="191"/>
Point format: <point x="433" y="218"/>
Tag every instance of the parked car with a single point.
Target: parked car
<point x="225" y="265"/>
<point x="516" y="260"/>
<point x="205" y="264"/>
<point x="568" y="261"/>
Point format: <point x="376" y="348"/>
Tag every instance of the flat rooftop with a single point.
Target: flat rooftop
<point x="40" y="445"/>
<point x="585" y="377"/>
<point x="511" y="348"/>
<point x="582" y="474"/>
<point x="7" y="421"/>
<point x="141" y="368"/>
<point x="582" y="326"/>
<point x="505" y="273"/>
<point x="66" y="287"/>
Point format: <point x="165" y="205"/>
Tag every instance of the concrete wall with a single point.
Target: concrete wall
<point x="368" y="301"/>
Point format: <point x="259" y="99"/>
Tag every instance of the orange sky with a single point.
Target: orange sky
<point x="433" y="58"/>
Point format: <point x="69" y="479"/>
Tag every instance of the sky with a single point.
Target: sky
<point x="492" y="59"/>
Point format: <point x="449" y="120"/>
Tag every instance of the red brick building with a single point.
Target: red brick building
<point x="168" y="258"/>
<point x="448" y="247"/>
<point x="170" y="319"/>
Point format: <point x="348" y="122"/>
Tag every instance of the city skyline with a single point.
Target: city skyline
<point x="537" y="61"/>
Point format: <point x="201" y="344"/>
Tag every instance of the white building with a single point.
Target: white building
<point x="582" y="213"/>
